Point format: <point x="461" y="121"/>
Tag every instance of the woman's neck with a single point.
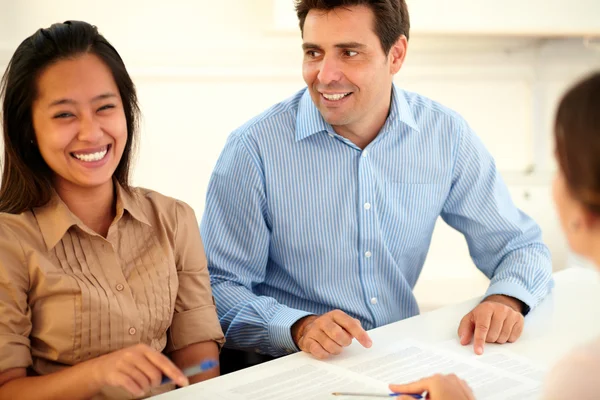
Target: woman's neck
<point x="95" y="207"/>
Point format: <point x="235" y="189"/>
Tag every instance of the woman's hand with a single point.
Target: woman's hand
<point x="438" y="387"/>
<point x="136" y="369"/>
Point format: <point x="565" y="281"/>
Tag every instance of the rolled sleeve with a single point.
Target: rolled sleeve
<point x="195" y="319"/>
<point x="15" y="315"/>
<point x="15" y="352"/>
<point x="195" y="326"/>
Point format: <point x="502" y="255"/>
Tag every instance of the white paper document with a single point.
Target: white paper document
<point x="492" y="376"/>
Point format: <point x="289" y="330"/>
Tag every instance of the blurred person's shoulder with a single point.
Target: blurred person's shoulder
<point x="576" y="376"/>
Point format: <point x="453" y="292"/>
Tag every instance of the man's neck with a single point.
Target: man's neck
<point x="364" y="132"/>
<point x="93" y="206"/>
<point x="360" y="137"/>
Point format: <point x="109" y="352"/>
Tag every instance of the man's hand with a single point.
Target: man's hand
<point x="498" y="319"/>
<point x="328" y="334"/>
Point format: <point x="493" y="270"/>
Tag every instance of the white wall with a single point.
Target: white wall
<point x="202" y="68"/>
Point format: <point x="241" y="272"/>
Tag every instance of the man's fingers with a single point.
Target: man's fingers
<point x="325" y="341"/>
<point x="337" y="334"/>
<point x="507" y="328"/>
<point x="465" y="329"/>
<point x="496" y="325"/>
<point x="353" y="327"/>
<point x="313" y="347"/>
<point x="517" y="330"/>
<point x="482" y="323"/>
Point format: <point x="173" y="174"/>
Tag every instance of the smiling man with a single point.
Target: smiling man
<point x="320" y="211"/>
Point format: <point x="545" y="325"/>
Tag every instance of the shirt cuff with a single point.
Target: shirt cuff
<point x="280" y="330"/>
<point x="194" y="326"/>
<point x="513" y="290"/>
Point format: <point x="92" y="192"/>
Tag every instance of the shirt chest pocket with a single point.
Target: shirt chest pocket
<point x="414" y="209"/>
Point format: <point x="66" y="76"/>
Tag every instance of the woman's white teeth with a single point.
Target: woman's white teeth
<point x="335" y="97"/>
<point x="91" y="157"/>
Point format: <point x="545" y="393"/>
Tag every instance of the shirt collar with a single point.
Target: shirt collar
<point x="127" y="202"/>
<point x="310" y="120"/>
<point x="55" y="218"/>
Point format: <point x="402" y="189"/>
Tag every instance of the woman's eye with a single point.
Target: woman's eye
<point x="106" y="107"/>
<point x="63" y="115"/>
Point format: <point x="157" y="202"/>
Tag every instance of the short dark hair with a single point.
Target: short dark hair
<point x="391" y="16"/>
<point x="577" y="137"/>
<point x="26" y="178"/>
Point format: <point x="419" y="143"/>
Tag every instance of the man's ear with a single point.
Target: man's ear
<point x="397" y="54"/>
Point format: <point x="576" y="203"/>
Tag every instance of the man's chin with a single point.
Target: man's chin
<point x="335" y="120"/>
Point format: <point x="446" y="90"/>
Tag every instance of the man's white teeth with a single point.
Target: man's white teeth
<point x="335" y="97"/>
<point x="91" y="157"/>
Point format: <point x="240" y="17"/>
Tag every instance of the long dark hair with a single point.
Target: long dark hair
<point x="26" y="178"/>
<point x="577" y="135"/>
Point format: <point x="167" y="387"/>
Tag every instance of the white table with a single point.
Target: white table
<point x="567" y="318"/>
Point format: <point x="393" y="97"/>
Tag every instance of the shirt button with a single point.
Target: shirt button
<point x="120" y="287"/>
<point x="365" y="153"/>
<point x="367" y="206"/>
<point x="368" y="254"/>
<point x="132" y="331"/>
<point x="374" y="300"/>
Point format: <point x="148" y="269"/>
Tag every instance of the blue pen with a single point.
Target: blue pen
<point x="196" y="369"/>
<point x="414" y="396"/>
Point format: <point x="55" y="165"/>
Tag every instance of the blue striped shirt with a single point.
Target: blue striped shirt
<point x="301" y="221"/>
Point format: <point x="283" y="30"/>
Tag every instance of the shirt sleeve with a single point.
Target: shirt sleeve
<point x="504" y="243"/>
<point x="195" y="319"/>
<point x="236" y="232"/>
<point x="15" y="314"/>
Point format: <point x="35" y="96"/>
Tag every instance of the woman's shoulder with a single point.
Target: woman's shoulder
<point x="576" y="374"/>
<point x="18" y="226"/>
<point x="164" y="207"/>
<point x="20" y="236"/>
<point x="157" y="198"/>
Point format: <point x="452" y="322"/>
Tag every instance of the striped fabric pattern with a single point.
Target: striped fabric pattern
<point x="300" y="221"/>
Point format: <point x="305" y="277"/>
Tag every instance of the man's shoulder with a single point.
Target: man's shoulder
<point x="278" y="119"/>
<point x="425" y="110"/>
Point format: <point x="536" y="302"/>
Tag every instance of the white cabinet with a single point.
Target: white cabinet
<point x="507" y="17"/>
<point x="486" y="17"/>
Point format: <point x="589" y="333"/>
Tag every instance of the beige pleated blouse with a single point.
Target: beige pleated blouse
<point x="68" y="295"/>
